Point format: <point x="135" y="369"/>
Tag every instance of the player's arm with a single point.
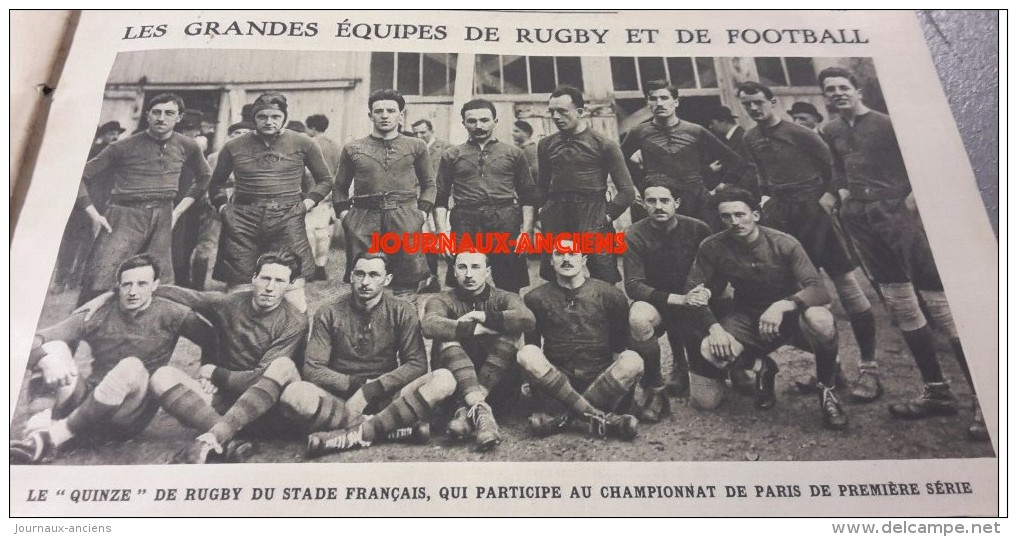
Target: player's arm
<point x="813" y="292"/>
<point x="217" y="195"/>
<point x="543" y="179"/>
<point x="526" y="189"/>
<point x="614" y="162"/>
<point x="314" y="160"/>
<point x="411" y="354"/>
<point x="343" y="179"/>
<point x="201" y="333"/>
<point x="443" y="190"/>
<point x="629" y="146"/>
<point x="837" y="168"/>
<point x="636" y="286"/>
<point x="51" y="354"/>
<point x="287" y="344"/>
<point x="107" y="159"/>
<point x="196" y="300"/>
<point x="425" y="178"/>
<point x="512" y="318"/>
<point x="438" y="323"/>
<point x="734" y="164"/>
<point x="202" y="175"/>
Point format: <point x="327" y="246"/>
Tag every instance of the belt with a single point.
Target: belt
<point x="490" y="204"/>
<point x="269" y="202"/>
<point x="579" y="196"/>
<point x="145" y="204"/>
<point x="385" y="200"/>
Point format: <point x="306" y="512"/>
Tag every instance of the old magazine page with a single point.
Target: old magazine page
<point x="203" y="325"/>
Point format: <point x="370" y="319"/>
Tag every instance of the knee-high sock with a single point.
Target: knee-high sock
<point x="403" y="412"/>
<point x="189" y="408"/>
<point x="924" y="351"/>
<point x="462" y="368"/>
<point x="864" y="327"/>
<point x="826" y="362"/>
<point x="328" y="416"/>
<point x="500" y="357"/>
<point x="251" y="405"/>
<point x="89" y="413"/>
<point x="556" y="384"/>
<point x="649" y="351"/>
<point x="606" y="392"/>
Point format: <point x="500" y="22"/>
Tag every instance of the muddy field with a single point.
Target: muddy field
<point x="735" y="432"/>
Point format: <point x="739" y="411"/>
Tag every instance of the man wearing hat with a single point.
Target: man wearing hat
<point x="145" y="171"/>
<point x="267" y="210"/>
<point x="806" y="115"/>
<point x="106" y="134"/>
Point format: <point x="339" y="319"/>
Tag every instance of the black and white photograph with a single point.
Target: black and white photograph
<point x="218" y="296"/>
<point x="216" y="265"/>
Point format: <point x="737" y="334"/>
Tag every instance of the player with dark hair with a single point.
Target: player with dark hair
<point x="267" y="210"/>
<point x="583" y="365"/>
<point x="522" y="136"/>
<point x="366" y="369"/>
<point x="261" y="341"/>
<point x="489" y="181"/>
<point x="779" y="298"/>
<point x="795" y="174"/>
<point x="880" y="214"/>
<point x="476" y="329"/>
<point x="393" y="189"/>
<point x="145" y="170"/>
<point x="659" y="254"/>
<point x="129" y="338"/>
<point x="677" y="154"/>
<point x="436" y="147"/>
<point x="574" y="164"/>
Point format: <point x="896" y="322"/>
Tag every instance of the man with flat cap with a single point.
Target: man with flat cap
<point x="806" y="115"/>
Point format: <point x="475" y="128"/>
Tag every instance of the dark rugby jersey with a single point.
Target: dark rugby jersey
<point x="401" y="164"/>
<point x="773" y="267"/>
<point x="113" y="333"/>
<point x="379" y="350"/>
<point x="581" y="164"/>
<point x="791" y="160"/>
<point x="680" y="154"/>
<point x="657" y="261"/>
<point x="498" y="172"/>
<point x="581" y="328"/>
<point x="249" y="338"/>
<point x="145" y="169"/>
<point x="270" y="168"/>
<point x="866" y="158"/>
<point x="505" y="312"/>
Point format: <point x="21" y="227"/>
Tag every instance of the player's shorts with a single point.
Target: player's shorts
<point x="252" y="227"/>
<point x="126" y="422"/>
<point x="805" y="220"/>
<point x="743" y="324"/>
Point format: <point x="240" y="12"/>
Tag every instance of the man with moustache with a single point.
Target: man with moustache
<point x="365" y="378"/>
<point x="145" y="170"/>
<point x="583" y="365"/>
<point x="794" y="167"/>
<point x="779" y="298"/>
<point x="490" y="184"/>
<point x="386" y="169"/>
<point x="677" y="154"/>
<point x="476" y="328"/>
<point x="660" y="251"/>
<point x="129" y="338"/>
<point x="268" y="206"/>
<point x="574" y="165"/>
<point x="261" y="342"/>
<point x="880" y="214"/>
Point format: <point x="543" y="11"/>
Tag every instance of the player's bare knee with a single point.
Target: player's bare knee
<point x="301" y="397"/>
<point x="819" y="321"/>
<point x="165" y="378"/>
<point x="127" y="377"/>
<point x="282" y="370"/>
<point x="533" y="361"/>
<point x="628" y="367"/>
<point x="642" y="317"/>
<point x="441" y="385"/>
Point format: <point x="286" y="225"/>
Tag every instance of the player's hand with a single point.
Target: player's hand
<point x="174" y="217"/>
<point x="770" y="320"/>
<point x="477" y="316"/>
<point x="763" y="200"/>
<point x="828" y="202"/>
<point x="910" y="203"/>
<point x="222" y="208"/>
<point x="58" y="371"/>
<point x="844" y="194"/>
<point x="716" y="166"/>
<point x="699" y="296"/>
<point x="101" y="223"/>
<point x="481" y="330"/>
<point x="342" y="214"/>
<point x="722" y="345"/>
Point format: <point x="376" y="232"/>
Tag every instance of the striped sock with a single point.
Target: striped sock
<point x="403" y="412"/>
<point x="556" y="384"/>
<point x="461" y="366"/>
<point x="189" y="408"/>
<point x="89" y="413"/>
<point x="649" y="351"/>
<point x="254" y="403"/>
<point x="328" y="416"/>
<point x="501" y="356"/>
<point x="606" y="392"/>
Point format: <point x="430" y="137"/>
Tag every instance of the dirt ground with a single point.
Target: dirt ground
<point x="736" y="431"/>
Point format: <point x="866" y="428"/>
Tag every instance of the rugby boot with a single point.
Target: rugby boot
<point x="652" y="404"/>
<point x="460" y="426"/>
<point x="237" y="451"/>
<point x="488" y="435"/>
<point x="35" y="448"/>
<point x="936" y="400"/>
<point x="417" y="434"/>
<point x="766" y="395"/>
<point x="622" y="426"/>
<point x="204" y="450"/>
<point x="541" y="424"/>
<point x="325" y="442"/>
<point x="977" y="431"/>
<point x="678" y="385"/>
<point x="833" y="415"/>
<point x="867" y="387"/>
